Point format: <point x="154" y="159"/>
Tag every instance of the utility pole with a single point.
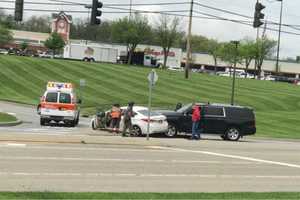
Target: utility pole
<point x="188" y="45"/>
<point x="234" y="70"/>
<point x="130" y="9"/>
<point x="279" y="37"/>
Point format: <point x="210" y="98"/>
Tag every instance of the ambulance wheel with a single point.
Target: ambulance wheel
<point x="77" y="121"/>
<point x="42" y="122"/>
<point x="72" y="123"/>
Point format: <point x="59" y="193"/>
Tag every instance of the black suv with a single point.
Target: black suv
<point x="231" y="122"/>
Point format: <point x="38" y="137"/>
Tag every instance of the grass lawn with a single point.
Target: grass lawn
<point x="7" y="118"/>
<point x="244" y="196"/>
<point x="277" y="105"/>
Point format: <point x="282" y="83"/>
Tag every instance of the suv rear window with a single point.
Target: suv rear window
<point x="239" y="113"/>
<point x="214" y="111"/>
<point x="51" y="97"/>
<point x="64" y="98"/>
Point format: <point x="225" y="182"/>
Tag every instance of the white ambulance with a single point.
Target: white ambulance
<point x="59" y="104"/>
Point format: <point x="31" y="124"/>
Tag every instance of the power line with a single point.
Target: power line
<point x="171" y="13"/>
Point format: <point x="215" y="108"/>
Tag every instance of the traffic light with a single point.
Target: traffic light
<point x="96" y="13"/>
<point x="258" y="16"/>
<point x="19" y="5"/>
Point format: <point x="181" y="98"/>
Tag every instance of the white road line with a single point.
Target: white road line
<point x="123" y="160"/>
<point x="91" y="175"/>
<point x="13" y="145"/>
<point x="230" y="156"/>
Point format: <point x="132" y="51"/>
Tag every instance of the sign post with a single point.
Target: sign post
<point x="152" y="78"/>
<point x="82" y="84"/>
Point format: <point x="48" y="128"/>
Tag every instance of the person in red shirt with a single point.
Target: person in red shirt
<point x="196" y="117"/>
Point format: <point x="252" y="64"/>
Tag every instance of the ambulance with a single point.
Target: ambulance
<point x="59" y="104"/>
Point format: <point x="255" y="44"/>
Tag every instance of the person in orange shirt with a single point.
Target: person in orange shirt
<point x="115" y="118"/>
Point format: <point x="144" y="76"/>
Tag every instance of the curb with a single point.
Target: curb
<point x="9" y="124"/>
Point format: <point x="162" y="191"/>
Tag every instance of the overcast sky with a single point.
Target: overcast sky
<point x="220" y="30"/>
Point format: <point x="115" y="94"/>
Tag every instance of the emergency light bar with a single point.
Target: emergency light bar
<point x="56" y="86"/>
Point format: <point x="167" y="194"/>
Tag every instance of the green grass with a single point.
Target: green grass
<point x="277" y="105"/>
<point x="240" y="196"/>
<point x="7" y="118"/>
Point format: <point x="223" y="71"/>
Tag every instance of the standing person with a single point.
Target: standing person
<point x="196" y="117"/>
<point x="128" y="114"/>
<point x="115" y="118"/>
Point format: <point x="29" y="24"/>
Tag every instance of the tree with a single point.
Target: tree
<point x="24" y="46"/>
<point x="167" y="34"/>
<point x="229" y="54"/>
<point x="131" y="31"/>
<point x="55" y="43"/>
<point x="5" y="35"/>
<point x="265" y="48"/>
<point x="36" y="24"/>
<point x="248" y="52"/>
<point x="213" y="49"/>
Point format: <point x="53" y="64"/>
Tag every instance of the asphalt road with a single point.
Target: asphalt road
<point x="137" y="165"/>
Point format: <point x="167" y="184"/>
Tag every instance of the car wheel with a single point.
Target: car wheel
<point x="136" y="131"/>
<point x="233" y="134"/>
<point x="172" y="131"/>
<point x="94" y="127"/>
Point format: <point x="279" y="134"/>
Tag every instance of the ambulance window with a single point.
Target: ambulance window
<point x="51" y="97"/>
<point x="64" y="98"/>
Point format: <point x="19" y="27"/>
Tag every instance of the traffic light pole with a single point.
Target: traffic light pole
<point x="279" y="38"/>
<point x="188" y="45"/>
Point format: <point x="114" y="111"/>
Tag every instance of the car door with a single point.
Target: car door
<point x="186" y="121"/>
<point x="214" y="119"/>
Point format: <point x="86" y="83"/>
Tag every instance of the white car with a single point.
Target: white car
<point x="179" y="69"/>
<point x="158" y="122"/>
<point x="3" y="51"/>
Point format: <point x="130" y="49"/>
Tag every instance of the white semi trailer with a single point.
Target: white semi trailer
<point x="90" y="52"/>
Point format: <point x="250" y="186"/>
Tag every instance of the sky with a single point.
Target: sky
<point x="220" y="30"/>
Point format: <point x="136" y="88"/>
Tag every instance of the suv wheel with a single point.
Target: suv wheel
<point x="233" y="134"/>
<point x="172" y="131"/>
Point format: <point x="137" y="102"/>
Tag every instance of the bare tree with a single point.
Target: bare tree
<point x="168" y="34"/>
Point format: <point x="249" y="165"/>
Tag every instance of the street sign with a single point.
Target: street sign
<point x="82" y="83"/>
<point x="152" y="77"/>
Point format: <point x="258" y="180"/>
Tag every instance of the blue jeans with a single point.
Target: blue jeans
<point x="196" y="129"/>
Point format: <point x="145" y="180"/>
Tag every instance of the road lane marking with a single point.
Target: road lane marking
<point x="229" y="156"/>
<point x="16" y="145"/>
<point x="122" y="160"/>
<point x="91" y="175"/>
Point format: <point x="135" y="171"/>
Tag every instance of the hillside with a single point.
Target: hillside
<point x="277" y="105"/>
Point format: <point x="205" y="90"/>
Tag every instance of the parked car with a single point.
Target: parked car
<point x="230" y="122"/>
<point x="158" y="122"/>
<point x="3" y="51"/>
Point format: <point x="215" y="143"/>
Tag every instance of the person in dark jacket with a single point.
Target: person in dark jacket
<point x="128" y="114"/>
<point x="196" y="117"/>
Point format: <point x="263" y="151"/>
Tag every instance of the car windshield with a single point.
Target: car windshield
<point x="145" y="112"/>
<point x="184" y="108"/>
